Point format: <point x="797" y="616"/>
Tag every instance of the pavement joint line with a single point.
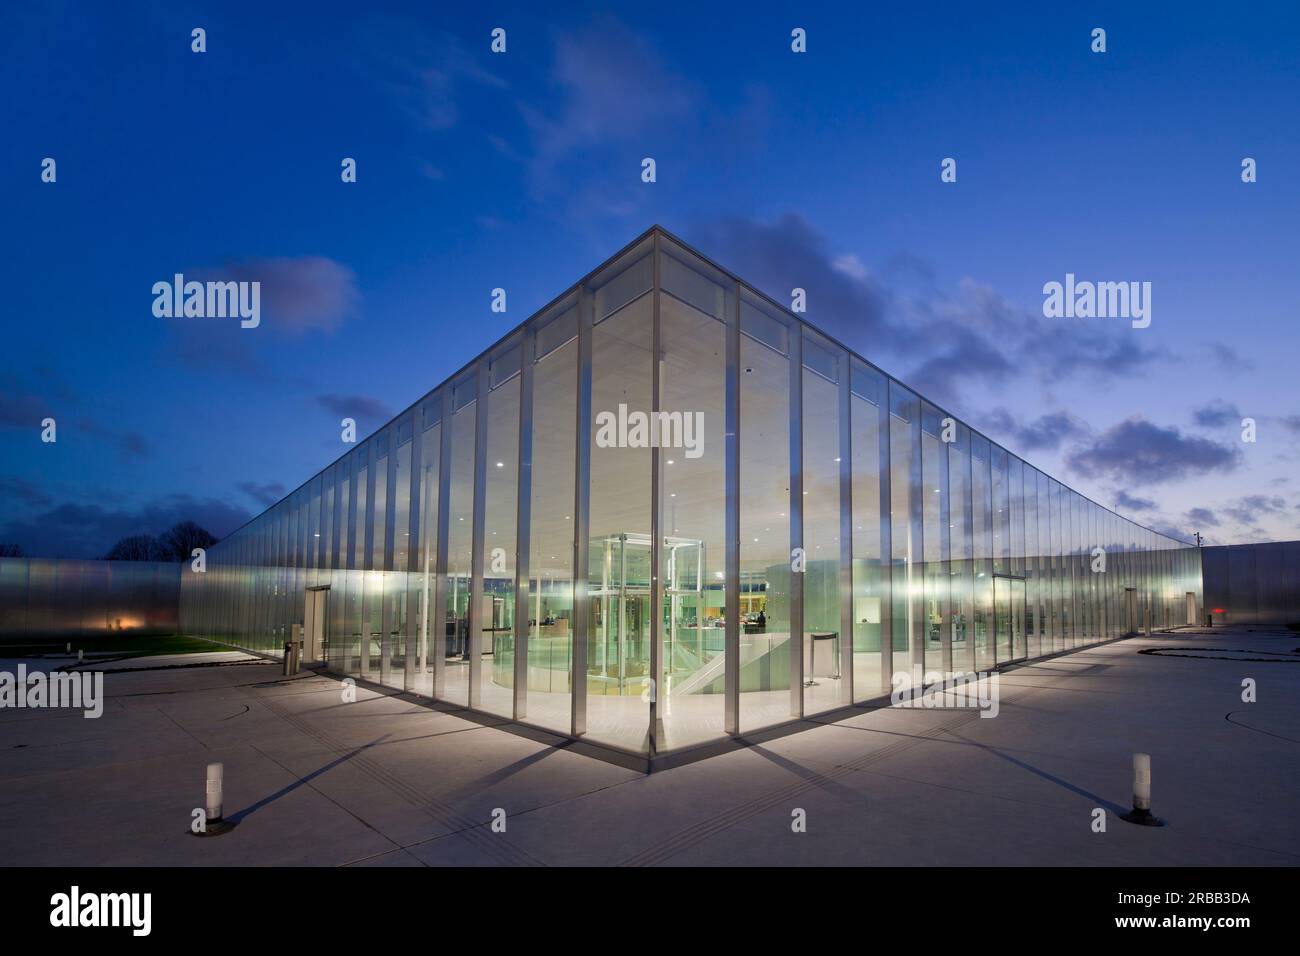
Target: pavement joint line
<point x="1237" y="723"/>
<point x="349" y="812"/>
<point x="699" y="832"/>
<point x="446" y="816"/>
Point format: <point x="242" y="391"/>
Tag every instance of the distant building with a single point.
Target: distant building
<point x="1253" y="583"/>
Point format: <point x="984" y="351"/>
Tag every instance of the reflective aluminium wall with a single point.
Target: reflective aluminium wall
<point x="665" y="510"/>
<point x="1253" y="583"/>
<point x="48" y="597"/>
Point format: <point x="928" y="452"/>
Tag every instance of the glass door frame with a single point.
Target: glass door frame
<point x="1013" y="587"/>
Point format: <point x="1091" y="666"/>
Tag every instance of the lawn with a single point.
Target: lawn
<point x="119" y="645"/>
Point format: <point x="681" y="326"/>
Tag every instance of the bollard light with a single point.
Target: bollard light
<point x="216" y="780"/>
<point x="1142" y="782"/>
<point x="1141" y="812"/>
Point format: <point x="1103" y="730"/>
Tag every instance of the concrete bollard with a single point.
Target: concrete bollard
<point x="1142" y="782"/>
<point x="1141" y="812"/>
<point x="216" y="783"/>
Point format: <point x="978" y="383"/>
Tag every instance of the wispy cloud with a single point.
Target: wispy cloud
<point x="264" y="493"/>
<point x="427" y="74"/>
<point x="363" y="408"/>
<point x="612" y="85"/>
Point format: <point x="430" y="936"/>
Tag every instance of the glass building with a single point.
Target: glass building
<point x="665" y="510"/>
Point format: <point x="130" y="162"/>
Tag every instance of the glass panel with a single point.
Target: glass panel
<point x="460" y="556"/>
<point x="618" y="570"/>
<point x="961" y="582"/>
<point x="764" y="532"/>
<point x="379" y="596"/>
<point x="403" y="643"/>
<point x="427" y="558"/>
<point x="866" y="413"/>
<point x="496" y="620"/>
<point x="693" y="560"/>
<point x="821" y="527"/>
<point x="550" y="641"/>
<point x="934" y="503"/>
<point x="904" y="481"/>
<point x="982" y="541"/>
<point x="1033" y="613"/>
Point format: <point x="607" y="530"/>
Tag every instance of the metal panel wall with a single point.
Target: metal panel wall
<point x="1252" y="583"/>
<point x="42" y="597"/>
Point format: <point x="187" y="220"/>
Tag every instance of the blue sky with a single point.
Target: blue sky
<point x="522" y="170"/>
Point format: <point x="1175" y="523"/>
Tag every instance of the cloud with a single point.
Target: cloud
<point x="1138" y="452"/>
<point x="1217" y="414"/>
<point x="1047" y="432"/>
<point x="360" y="407"/>
<point x="1251" y="509"/>
<point x="20" y="408"/>
<point x="300" y="293"/>
<point x="265" y="494"/>
<point x="942" y="342"/>
<point x="76" y="530"/>
<point x="789" y="253"/>
<point x="1227" y="358"/>
<point x="1203" y="516"/>
<point x="428" y="74"/>
<point x="1132" y="503"/>
<point x="28" y="492"/>
<point x="130" y="443"/>
<point x="613" y="86"/>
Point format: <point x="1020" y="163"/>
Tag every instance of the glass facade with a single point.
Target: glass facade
<point x="665" y="510"/>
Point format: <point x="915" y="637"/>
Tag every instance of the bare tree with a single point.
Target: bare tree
<point x="178" y="542"/>
<point x="136" y="547"/>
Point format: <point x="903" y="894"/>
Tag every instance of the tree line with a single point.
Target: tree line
<point x="177" y="544"/>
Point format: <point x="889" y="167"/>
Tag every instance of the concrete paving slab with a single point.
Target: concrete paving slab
<point x="390" y="781"/>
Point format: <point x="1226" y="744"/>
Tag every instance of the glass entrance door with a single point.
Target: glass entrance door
<point x="1009" y="618"/>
